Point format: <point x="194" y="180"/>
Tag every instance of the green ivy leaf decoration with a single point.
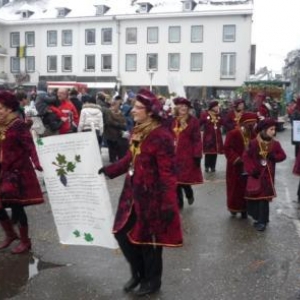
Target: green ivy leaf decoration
<point x="76" y="233"/>
<point x="61" y="159"/>
<point x="88" y="237"/>
<point x="70" y="167"/>
<point x="77" y="158"/>
<point x="39" y="142"/>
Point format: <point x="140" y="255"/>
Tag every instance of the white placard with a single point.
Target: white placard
<point x="175" y="85"/>
<point x="78" y="195"/>
<point x="296" y="131"/>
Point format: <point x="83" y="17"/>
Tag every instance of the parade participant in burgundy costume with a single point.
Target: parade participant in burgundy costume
<point x="212" y="142"/>
<point x="232" y="120"/>
<point x="19" y="185"/>
<point x="296" y="171"/>
<point x="236" y="142"/>
<point x="259" y="162"/>
<point x="147" y="217"/>
<point x="295" y="117"/>
<point x="188" y="148"/>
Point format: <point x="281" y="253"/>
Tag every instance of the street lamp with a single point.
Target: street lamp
<point x="151" y="74"/>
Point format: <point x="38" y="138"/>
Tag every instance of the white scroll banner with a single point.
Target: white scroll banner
<point x="78" y="196"/>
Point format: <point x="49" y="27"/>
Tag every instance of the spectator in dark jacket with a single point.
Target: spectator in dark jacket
<point x="76" y="102"/>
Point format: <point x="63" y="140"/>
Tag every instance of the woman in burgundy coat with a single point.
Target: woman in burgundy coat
<point x="259" y="162"/>
<point x="236" y="142"/>
<point x="147" y="216"/>
<point x="17" y="153"/>
<point x="188" y="147"/>
<point x="211" y="123"/>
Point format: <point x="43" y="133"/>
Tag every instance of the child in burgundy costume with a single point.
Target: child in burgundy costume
<point x="259" y="161"/>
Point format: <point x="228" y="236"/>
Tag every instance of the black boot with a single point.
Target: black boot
<point x="132" y="283"/>
<point x="147" y="288"/>
<point x="244" y="215"/>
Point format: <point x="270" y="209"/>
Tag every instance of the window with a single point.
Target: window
<point x="90" y="36"/>
<point x="106" y="62"/>
<point x="66" y="39"/>
<point x="174" y="61"/>
<point x="14" y="39"/>
<point x="131" y="62"/>
<point x="131" y="35"/>
<point x="62" y="12"/>
<point x="30" y="64"/>
<point x="25" y="14"/>
<point x="143" y="8"/>
<point x="187" y="6"/>
<point x="52" y="63"/>
<point x="106" y="36"/>
<point x="174" y="34"/>
<point x="228" y="65"/>
<point x="152" y="61"/>
<point x="15" y="64"/>
<point x="29" y="39"/>
<point x="152" y="35"/>
<point x="67" y="63"/>
<point x="229" y="33"/>
<point x="196" y="61"/>
<point x="52" y="38"/>
<point x="100" y="10"/>
<point x="90" y="62"/>
<point x="197" y="34"/>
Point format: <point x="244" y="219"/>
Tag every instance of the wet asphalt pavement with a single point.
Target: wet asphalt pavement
<point x="223" y="258"/>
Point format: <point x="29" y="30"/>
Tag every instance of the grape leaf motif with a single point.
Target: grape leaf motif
<point x="76" y="233"/>
<point x="88" y="237"/>
<point x="63" y="179"/>
<point x="65" y="167"/>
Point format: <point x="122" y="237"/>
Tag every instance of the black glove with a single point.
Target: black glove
<point x="239" y="162"/>
<point x="101" y="171"/>
<point x="255" y="174"/>
<point x="197" y="161"/>
<point x="271" y="156"/>
<point x="167" y="216"/>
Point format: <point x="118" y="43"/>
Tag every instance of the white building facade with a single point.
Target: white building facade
<point x="205" y="47"/>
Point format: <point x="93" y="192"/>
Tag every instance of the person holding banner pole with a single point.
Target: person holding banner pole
<point x="147" y="217"/>
<point x="19" y="186"/>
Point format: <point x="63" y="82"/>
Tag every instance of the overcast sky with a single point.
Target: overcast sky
<point x="276" y="31"/>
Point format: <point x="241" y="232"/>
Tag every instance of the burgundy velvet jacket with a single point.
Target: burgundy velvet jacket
<point x="252" y="164"/>
<point x="151" y="192"/>
<point x="231" y="121"/>
<point x="236" y="183"/>
<point x="16" y="151"/>
<point x="212" y="137"/>
<point x="188" y="146"/>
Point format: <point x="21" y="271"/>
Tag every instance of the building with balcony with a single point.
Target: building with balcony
<point x="203" y="46"/>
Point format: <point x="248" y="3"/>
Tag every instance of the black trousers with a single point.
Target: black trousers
<point x="210" y="161"/>
<point x="259" y="210"/>
<point x="145" y="260"/>
<point x="18" y="215"/>
<point x="189" y="193"/>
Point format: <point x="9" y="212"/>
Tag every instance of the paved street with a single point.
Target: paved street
<point x="223" y="258"/>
